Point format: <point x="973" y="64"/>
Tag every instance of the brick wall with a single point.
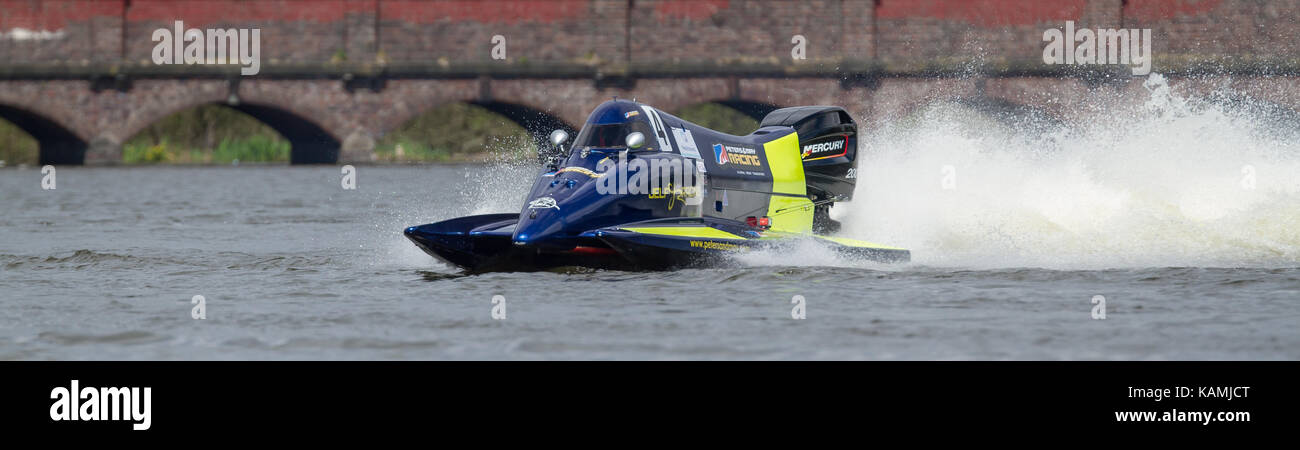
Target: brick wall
<point x="722" y="30"/>
<point x="919" y="33"/>
<point x="462" y="30"/>
<point x="1231" y="29"/>
<point x="72" y="30"/>
<point x="291" y="31"/>
<point x="897" y="33"/>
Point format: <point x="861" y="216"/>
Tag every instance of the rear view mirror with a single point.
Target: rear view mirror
<point x="552" y="156"/>
<point x="559" y="137"/>
<point x="635" y="140"/>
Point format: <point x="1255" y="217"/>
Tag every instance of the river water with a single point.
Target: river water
<point x="1013" y="236"/>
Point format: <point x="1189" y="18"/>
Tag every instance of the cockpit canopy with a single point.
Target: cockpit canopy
<point x="610" y="124"/>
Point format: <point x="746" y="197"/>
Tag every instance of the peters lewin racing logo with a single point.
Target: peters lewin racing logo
<point x="836" y="146"/>
<point x="732" y="154"/>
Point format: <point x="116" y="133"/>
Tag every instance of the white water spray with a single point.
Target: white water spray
<point x="1175" y="182"/>
<point x="504" y="186"/>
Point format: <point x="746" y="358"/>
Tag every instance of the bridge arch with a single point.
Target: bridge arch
<point x="57" y="144"/>
<point x="309" y="142"/>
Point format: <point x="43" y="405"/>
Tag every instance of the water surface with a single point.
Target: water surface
<point x="294" y="267"/>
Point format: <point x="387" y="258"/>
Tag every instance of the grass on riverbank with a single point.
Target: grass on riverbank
<point x="16" y="146"/>
<point x="251" y="149"/>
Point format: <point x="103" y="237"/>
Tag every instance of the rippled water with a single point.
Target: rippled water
<point x="293" y="267"/>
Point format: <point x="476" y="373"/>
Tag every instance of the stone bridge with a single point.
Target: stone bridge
<point x="337" y="75"/>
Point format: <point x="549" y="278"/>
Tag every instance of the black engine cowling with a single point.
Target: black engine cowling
<point x="828" y="139"/>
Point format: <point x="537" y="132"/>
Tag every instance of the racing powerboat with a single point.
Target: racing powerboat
<point x="641" y="189"/>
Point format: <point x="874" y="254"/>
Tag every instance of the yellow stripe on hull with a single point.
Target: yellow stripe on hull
<point x="696" y="232"/>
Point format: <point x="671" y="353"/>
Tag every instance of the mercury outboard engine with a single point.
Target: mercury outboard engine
<point x="828" y="140"/>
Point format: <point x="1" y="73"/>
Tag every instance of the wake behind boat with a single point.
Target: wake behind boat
<point x="641" y="189"/>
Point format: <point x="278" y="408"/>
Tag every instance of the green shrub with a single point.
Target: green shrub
<point x="137" y="153"/>
<point x="253" y="148"/>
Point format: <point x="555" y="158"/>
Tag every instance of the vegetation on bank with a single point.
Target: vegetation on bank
<point x="208" y="134"/>
<point x="255" y="148"/>
<point x="719" y="117"/>
<point x="457" y="132"/>
<point x="16" y="146"/>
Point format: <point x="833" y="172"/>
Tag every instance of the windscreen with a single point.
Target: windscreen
<point x="610" y="135"/>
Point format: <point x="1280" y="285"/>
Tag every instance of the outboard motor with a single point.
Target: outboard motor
<point x="828" y="141"/>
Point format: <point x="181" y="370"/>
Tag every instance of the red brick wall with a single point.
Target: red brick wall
<point x="719" y="30"/>
<point x="917" y="33"/>
<point x="535" y="30"/>
<point x="291" y="31"/>
<point x="1219" y="28"/>
<point x="79" y="30"/>
<point x="899" y="33"/>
